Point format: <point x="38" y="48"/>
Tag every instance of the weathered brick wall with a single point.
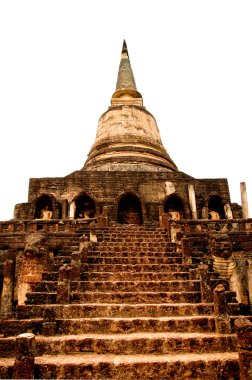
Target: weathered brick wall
<point x="21" y="211"/>
<point x="106" y="188"/>
<point x="237" y="210"/>
<point x="32" y="268"/>
<point x="28" y="269"/>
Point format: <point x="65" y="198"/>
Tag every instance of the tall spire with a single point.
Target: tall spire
<point x="125" y="49"/>
<point x="125" y="77"/>
<point x="126" y="91"/>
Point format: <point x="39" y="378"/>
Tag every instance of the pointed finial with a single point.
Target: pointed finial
<point x="125" y="77"/>
<point x="126" y="91"/>
<point x="125" y="53"/>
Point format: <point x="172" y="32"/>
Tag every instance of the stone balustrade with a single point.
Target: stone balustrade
<point x="203" y="225"/>
<point x="52" y="225"/>
<point x="174" y="226"/>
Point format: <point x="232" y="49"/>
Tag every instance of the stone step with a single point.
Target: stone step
<point x="104" y="257"/>
<point x="133" y="236"/>
<point x="92" y="310"/>
<point x="131" y="276"/>
<point x="133" y="297"/>
<point x="128" y="241"/>
<point x="72" y="244"/>
<point x="137" y="343"/>
<point x="123" y="276"/>
<point x="108" y="325"/>
<point x="135" y="268"/>
<point x="62" y="259"/>
<point x="125" y="286"/>
<point x="107" y="252"/>
<point x="123" y="310"/>
<point x="65" y="253"/>
<point x="129" y="267"/>
<point x="157" y="235"/>
<point x="212" y="366"/>
<point x="50" y="276"/>
<point x="132" y="229"/>
<point x="144" y="232"/>
<point x="140" y="254"/>
<point x="134" y="260"/>
<point x="41" y="298"/>
<point x="12" y="327"/>
<point x="112" y="325"/>
<point x="137" y="324"/>
<point x="46" y="286"/>
<point x="69" y="247"/>
<point x="146" y="236"/>
<point x="38" y="298"/>
<point x="136" y="286"/>
<point x="131" y="242"/>
<point x="128" y="344"/>
<point x="122" y="247"/>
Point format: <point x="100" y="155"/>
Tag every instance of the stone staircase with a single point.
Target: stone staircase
<point x="134" y="314"/>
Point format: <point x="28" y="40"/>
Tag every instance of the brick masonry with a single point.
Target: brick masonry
<point x="106" y="188"/>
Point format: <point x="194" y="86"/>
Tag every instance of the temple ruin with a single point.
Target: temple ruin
<point x="127" y="268"/>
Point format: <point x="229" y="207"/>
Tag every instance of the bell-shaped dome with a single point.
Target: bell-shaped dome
<point x="127" y="136"/>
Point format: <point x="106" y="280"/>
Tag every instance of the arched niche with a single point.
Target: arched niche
<point x="130" y="209"/>
<point x="43" y="207"/>
<point x="216" y="208"/>
<point x="175" y="207"/>
<point x="85" y="207"/>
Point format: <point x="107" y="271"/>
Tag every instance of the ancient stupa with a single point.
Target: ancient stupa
<point x="127" y="137"/>
<point x="129" y="171"/>
<point x="127" y="268"/>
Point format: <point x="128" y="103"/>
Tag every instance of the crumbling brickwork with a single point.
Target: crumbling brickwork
<point x="106" y="188"/>
<point x="127" y="268"/>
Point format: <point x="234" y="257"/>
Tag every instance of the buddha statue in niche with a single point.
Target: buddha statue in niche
<point x="46" y="213"/>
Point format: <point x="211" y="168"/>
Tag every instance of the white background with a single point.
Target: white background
<point x="192" y="62"/>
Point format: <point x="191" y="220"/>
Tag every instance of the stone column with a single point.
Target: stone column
<point x="160" y="215"/>
<point x="24" y="362"/>
<point x="228" y="211"/>
<point x="186" y="251"/>
<point x="102" y="219"/>
<point x="84" y="247"/>
<point x="222" y="320"/>
<point x="75" y="266"/>
<point x="205" y="285"/>
<point x="244" y="200"/>
<point x="192" y="201"/>
<point x="64" y="209"/>
<point x="63" y="286"/>
<point x="72" y="210"/>
<point x="7" y="292"/>
<point x="243" y="328"/>
<point x="204" y="212"/>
